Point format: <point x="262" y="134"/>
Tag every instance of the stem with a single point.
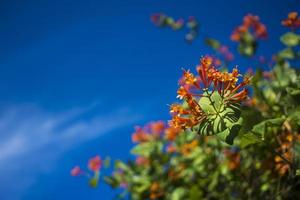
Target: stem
<point x="211" y="101"/>
<point x="282" y="157"/>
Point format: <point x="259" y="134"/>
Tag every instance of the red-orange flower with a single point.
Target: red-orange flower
<point x="157" y="127"/>
<point x="95" y="163"/>
<point x="140" y="135"/>
<point x="209" y="77"/>
<point x="251" y="24"/>
<point x="171" y="133"/>
<point x="293" y="21"/>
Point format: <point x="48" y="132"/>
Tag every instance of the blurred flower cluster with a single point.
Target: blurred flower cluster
<point x="231" y="136"/>
<point x="248" y="33"/>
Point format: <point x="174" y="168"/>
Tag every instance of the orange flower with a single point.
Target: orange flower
<point x="182" y="92"/>
<point x="171" y="133"/>
<point x="211" y="78"/>
<point x="157" y="127"/>
<point x="293" y="21"/>
<point x="156" y="191"/>
<point x="251" y="24"/>
<point x="285" y="150"/>
<point x="189" y="79"/>
<point x="95" y="163"/>
<point x="139" y="135"/>
<point x="187" y="148"/>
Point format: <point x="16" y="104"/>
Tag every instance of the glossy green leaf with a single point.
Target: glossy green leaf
<point x="290" y="39"/>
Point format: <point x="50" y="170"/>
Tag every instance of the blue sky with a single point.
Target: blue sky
<point x="76" y="76"/>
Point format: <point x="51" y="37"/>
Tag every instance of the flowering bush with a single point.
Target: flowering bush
<point x="231" y="136"/>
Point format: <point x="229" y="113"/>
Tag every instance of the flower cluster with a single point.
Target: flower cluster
<point x="286" y="155"/>
<point x="293" y="21"/>
<point x="149" y="132"/>
<point x="208" y="80"/>
<point x="251" y="23"/>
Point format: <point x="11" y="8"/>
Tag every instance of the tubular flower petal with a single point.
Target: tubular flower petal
<point x="189" y="79"/>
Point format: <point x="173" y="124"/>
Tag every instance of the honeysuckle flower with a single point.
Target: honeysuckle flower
<point x="293" y="21"/>
<point x="208" y="79"/>
<point x="157" y="127"/>
<point x="251" y="24"/>
<point x="140" y="135"/>
<point x="95" y="163"/>
<point x="151" y="131"/>
<point x="76" y="171"/>
<point x="285" y="149"/>
<point x="171" y="133"/>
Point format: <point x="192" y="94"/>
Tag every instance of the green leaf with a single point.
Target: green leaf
<point x="93" y="182"/>
<point x="143" y="149"/>
<point x="293" y="91"/>
<point x="213" y="43"/>
<point x="223" y="121"/>
<point x="121" y="165"/>
<point x="111" y="181"/>
<point x="285" y="75"/>
<point x="230" y="133"/>
<point x="248" y="139"/>
<point x="290" y="39"/>
<point x="287" y="53"/>
<point x="261" y="128"/>
<point x="178" y="193"/>
<point x="211" y="105"/>
<point x="298" y="172"/>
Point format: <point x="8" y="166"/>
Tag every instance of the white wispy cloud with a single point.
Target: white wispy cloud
<point x="26" y="131"/>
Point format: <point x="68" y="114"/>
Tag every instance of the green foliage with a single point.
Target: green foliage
<point x="290" y="39"/>
<point x="248" y="151"/>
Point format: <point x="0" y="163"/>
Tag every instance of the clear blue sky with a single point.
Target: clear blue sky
<point x="77" y="75"/>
